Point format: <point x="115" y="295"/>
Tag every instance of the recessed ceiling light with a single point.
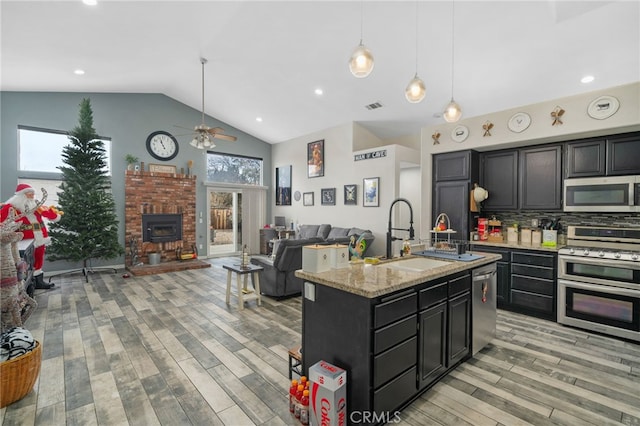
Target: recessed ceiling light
<point x="90" y="2"/>
<point x="318" y="91"/>
<point x="259" y="119"/>
<point x="587" y="79"/>
<point x="79" y="72"/>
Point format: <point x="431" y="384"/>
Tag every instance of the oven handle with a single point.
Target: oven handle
<point x="601" y="262"/>
<point x="621" y="291"/>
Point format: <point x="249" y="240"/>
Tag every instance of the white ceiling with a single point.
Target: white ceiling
<point x="266" y="57"/>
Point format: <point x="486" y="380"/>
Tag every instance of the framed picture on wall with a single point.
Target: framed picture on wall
<point x="371" y="192"/>
<point x="283" y="188"/>
<point x="307" y="199"/>
<point x="350" y="195"/>
<point x="315" y="158"/>
<point x="328" y="196"/>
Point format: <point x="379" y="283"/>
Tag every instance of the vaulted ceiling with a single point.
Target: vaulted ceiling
<point x="266" y="58"/>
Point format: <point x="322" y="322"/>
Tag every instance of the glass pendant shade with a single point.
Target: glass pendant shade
<point x="361" y="62"/>
<point x="452" y="112"/>
<point x="202" y="141"/>
<point x="416" y="90"/>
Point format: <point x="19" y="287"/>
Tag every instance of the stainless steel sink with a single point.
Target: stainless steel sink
<point x="416" y="264"/>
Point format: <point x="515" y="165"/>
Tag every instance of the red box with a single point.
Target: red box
<point x="483" y="228"/>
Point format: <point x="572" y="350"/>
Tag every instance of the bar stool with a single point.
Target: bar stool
<point x="244" y="294"/>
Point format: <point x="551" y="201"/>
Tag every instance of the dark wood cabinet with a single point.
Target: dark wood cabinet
<point x="623" y="154"/>
<point x="533" y="283"/>
<point x="453" y="177"/>
<point x="585" y="158"/>
<point x="452" y="166"/>
<point x="499" y="176"/>
<point x="540" y="178"/>
<point x="444" y="327"/>
<point x="452" y="198"/>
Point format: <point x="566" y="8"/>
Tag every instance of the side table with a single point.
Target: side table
<point x="244" y="294"/>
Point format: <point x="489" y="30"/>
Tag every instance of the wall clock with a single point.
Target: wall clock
<point x="603" y="107"/>
<point x="162" y="145"/>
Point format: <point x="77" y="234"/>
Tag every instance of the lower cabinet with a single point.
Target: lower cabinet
<point x="444" y="327"/>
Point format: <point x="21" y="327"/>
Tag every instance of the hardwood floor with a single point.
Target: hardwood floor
<point x="166" y="349"/>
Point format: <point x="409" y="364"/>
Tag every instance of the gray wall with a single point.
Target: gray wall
<point x="127" y="119"/>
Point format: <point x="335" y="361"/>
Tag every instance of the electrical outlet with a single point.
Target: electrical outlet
<point x="534" y="223"/>
<point x="200" y="246"/>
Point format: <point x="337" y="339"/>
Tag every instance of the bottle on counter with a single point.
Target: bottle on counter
<point x="406" y="247"/>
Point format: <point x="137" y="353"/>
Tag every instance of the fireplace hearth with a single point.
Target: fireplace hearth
<point x="160" y="228"/>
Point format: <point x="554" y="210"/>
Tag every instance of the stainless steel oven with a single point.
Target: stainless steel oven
<point x="599" y="281"/>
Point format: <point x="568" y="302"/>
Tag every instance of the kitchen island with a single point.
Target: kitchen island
<point x="396" y="327"/>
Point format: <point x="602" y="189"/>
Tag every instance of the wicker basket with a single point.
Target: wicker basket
<point x="18" y="375"/>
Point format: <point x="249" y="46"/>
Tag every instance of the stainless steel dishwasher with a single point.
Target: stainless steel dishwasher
<point x="483" y="295"/>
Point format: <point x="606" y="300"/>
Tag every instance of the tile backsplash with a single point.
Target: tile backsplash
<point x="523" y="219"/>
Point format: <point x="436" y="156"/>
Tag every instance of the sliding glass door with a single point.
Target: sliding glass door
<point x="225" y="222"/>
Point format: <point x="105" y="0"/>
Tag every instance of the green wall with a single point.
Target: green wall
<point x="126" y="118"/>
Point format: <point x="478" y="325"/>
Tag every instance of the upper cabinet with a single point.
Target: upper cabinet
<point x="452" y="166"/>
<point x="606" y="156"/>
<point x="541" y="178"/>
<point x="525" y="179"/>
<point x="499" y="176"/>
<point x="623" y="154"/>
<point x="586" y="158"/>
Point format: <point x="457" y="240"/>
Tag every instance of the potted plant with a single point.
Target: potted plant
<point x="131" y="160"/>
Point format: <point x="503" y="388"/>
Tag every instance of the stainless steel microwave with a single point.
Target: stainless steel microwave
<point x="602" y="194"/>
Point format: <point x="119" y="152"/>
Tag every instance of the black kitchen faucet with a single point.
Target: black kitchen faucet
<point x="391" y="238"/>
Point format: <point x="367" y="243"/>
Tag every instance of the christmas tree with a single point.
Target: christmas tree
<point x="89" y="227"/>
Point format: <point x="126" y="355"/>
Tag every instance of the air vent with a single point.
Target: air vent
<point x="374" y="105"/>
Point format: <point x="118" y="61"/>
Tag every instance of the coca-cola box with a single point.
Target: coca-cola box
<point x="328" y="399"/>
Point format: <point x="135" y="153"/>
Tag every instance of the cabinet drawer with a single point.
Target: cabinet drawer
<point x="459" y="285"/>
<point x="395" y="393"/>
<point x="532" y="285"/>
<point x="394" y="334"/>
<point x="395" y="308"/>
<point x="394" y="361"/>
<point x="433" y="295"/>
<point x="533" y="271"/>
<point x="532" y="301"/>
<point x="533" y="259"/>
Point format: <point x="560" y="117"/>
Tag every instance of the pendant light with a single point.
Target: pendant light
<point x="452" y="111"/>
<point x="416" y="89"/>
<point x="361" y="61"/>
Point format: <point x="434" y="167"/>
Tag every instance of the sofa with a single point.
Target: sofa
<point x="278" y="278"/>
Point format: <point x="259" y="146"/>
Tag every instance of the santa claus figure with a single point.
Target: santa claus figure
<point x="32" y="226"/>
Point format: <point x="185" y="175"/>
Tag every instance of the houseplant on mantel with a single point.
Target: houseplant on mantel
<point x="131" y="161"/>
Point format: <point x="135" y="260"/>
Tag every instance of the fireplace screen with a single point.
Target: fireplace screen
<point x="158" y="228"/>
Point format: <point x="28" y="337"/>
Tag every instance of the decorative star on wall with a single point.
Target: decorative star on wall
<point x="556" y="114"/>
<point x="435" y="138"/>
<point x="487" y="128"/>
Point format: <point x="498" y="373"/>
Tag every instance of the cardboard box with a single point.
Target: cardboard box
<point x="316" y="258"/>
<point x="328" y="396"/>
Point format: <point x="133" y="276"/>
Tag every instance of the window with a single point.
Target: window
<point x="40" y="155"/>
<point x="225" y="168"/>
<point x="40" y="150"/>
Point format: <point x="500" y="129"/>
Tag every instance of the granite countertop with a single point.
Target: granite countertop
<point x="376" y="280"/>
<point x="517" y="246"/>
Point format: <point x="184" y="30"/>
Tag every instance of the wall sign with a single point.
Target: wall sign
<point x="370" y="155"/>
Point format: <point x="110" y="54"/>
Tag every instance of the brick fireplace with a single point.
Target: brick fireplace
<point x="163" y="196"/>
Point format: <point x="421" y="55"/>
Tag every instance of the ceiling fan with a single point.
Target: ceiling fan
<point x="204" y="135"/>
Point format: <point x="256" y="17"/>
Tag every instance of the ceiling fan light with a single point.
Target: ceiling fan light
<point x="452" y="112"/>
<point x="361" y="62"/>
<point x="194" y="143"/>
<point x="416" y="90"/>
